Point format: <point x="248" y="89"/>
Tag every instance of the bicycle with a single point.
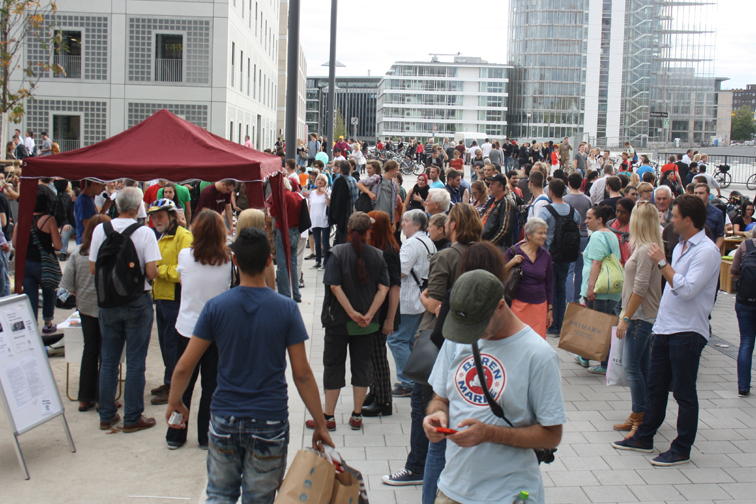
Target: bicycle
<point x="751" y="182"/>
<point x="724" y="179"/>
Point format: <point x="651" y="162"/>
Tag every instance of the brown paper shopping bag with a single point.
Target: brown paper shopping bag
<point x="310" y="479"/>
<point x="346" y="489"/>
<point x="586" y="332"/>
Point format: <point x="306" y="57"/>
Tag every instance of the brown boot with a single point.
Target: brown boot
<point x="628" y="425"/>
<point x="637" y="419"/>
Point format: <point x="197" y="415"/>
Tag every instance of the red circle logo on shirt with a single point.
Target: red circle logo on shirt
<point x="468" y="383"/>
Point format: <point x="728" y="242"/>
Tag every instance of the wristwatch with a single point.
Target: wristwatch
<point x="625" y="319"/>
<point x="662" y="263"/>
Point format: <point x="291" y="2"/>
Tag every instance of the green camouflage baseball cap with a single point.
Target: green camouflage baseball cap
<point x="473" y="300"/>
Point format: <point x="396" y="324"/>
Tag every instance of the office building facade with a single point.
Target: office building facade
<point x="356" y="97"/>
<point x="215" y="65"/>
<point x="744" y="97"/>
<point x="439" y="99"/>
<point x="613" y="71"/>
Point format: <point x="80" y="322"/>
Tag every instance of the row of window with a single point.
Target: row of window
<point x="258" y="86"/>
<point x="433" y="71"/>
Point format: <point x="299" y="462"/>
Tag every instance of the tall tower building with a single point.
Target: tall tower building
<point x="610" y="71"/>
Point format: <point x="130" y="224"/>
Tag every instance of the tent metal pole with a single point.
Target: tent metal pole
<point x="292" y="79"/>
<point x="331" y="82"/>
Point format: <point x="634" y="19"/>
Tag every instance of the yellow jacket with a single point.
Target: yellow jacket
<point x="170" y="246"/>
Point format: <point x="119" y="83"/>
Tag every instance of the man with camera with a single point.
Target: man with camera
<point x="493" y="455"/>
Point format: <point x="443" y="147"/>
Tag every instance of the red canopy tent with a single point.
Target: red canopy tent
<point x="162" y="146"/>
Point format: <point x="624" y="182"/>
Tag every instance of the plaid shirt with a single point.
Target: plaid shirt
<point x="352" y="183"/>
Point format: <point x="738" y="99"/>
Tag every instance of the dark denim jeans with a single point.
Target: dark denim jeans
<point x="401" y="342"/>
<point x="208" y="365"/>
<point x="322" y="238"/>
<point x="434" y="465"/>
<point x="32" y="280"/>
<point x="246" y="457"/>
<point x="747" y="324"/>
<point x="419" y="399"/>
<point x="166" y="313"/>
<point x="283" y="284"/>
<point x="674" y="359"/>
<point x="560" y="304"/>
<point x="131" y="325"/>
<point x="636" y="357"/>
<point x="575" y="275"/>
<point x="603" y="306"/>
<point x="89" y="375"/>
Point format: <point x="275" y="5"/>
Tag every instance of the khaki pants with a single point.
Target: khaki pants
<point x="443" y="499"/>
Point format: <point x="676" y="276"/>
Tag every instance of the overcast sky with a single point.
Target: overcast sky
<point x="373" y="35"/>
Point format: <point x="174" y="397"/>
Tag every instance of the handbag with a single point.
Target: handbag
<point x="304" y="217"/>
<point x="364" y="203"/>
<point x="422" y="358"/>
<point x="612" y="274"/>
<point x="513" y="281"/>
<point x="542" y="454"/>
<point x="51" y="273"/>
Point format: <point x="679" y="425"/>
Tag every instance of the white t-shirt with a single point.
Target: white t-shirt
<point x="538" y="204"/>
<point x="29" y="143"/>
<point x="486" y="149"/>
<point x="144" y="239"/>
<point x="318" y="208"/>
<point x="523" y="376"/>
<point x="199" y="284"/>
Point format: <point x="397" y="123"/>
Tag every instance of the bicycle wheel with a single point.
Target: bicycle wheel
<point x="719" y="178"/>
<point x="419" y="168"/>
<point x="727" y="180"/>
<point x="751" y="182"/>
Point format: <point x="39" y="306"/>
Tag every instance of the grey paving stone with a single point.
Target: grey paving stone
<point x="618" y="493"/>
<point x="662" y="475"/>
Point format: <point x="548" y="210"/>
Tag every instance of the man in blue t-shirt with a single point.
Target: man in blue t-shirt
<point x="254" y="328"/>
<point x="85" y="208"/>
<point x="487" y="460"/>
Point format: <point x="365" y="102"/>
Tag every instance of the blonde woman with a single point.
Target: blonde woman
<point x="320" y="200"/>
<point x="641" y="294"/>
<point x="645" y="191"/>
<point x="252" y="217"/>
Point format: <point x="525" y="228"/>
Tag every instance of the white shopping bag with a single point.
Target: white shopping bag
<point x="615" y="372"/>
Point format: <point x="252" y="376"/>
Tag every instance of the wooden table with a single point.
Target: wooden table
<point x="731" y="242"/>
<point x="725" y="279"/>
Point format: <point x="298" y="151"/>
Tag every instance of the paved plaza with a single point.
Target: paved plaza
<point x="138" y="468"/>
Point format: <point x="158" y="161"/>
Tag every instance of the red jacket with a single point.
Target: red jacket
<point x="293" y="209"/>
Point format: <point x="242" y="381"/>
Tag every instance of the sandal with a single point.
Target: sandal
<point x="87" y="406"/>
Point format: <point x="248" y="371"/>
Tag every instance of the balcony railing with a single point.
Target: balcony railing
<point x="68" y="145"/>
<point x="169" y="70"/>
<point x="71" y="66"/>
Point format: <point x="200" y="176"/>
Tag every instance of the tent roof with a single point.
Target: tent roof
<point x="162" y="146"/>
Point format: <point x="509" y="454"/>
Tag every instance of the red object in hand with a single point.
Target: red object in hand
<point x="444" y="430"/>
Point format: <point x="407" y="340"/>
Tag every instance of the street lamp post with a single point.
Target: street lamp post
<point x="528" y="134"/>
<point x="292" y="79"/>
<point x="331" y="79"/>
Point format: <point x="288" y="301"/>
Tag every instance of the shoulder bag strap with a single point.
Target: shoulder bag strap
<point x="495" y="407"/>
<point x="412" y="271"/>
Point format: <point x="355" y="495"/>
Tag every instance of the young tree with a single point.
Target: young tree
<point x="21" y="21"/>
<point x="339" y="128"/>
<point x="742" y="124"/>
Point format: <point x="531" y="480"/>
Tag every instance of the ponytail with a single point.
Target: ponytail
<point x="362" y="273"/>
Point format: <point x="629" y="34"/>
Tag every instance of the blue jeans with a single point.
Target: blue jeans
<point x="131" y="325"/>
<point x="434" y="465"/>
<point x="418" y="440"/>
<point x="560" y="278"/>
<point x="283" y="284"/>
<point x="636" y="358"/>
<point x="603" y="306"/>
<point x="575" y="275"/>
<point x="401" y="342"/>
<point x="166" y="312"/>
<point x="247" y="457"/>
<point x="5" y="289"/>
<point x="747" y="324"/>
<point x="674" y="360"/>
<point x="31" y="283"/>
<point x="322" y="238"/>
<point x="507" y="162"/>
<point x="65" y="237"/>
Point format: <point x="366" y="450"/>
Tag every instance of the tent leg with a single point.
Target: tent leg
<point x="68" y="433"/>
<point x="20" y="456"/>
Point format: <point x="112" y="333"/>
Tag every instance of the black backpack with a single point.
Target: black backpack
<point x="565" y="247"/>
<point x="119" y="278"/>
<point x="747" y="276"/>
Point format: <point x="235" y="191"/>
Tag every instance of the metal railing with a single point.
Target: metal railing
<point x="71" y="66"/>
<point x="68" y="145"/>
<point x="741" y="167"/>
<point x="169" y="70"/>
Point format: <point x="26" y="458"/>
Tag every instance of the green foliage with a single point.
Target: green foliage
<point x="21" y="21"/>
<point x="339" y="129"/>
<point x="742" y="124"/>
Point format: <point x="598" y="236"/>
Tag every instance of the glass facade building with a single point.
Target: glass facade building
<point x="596" y="70"/>
<point x="439" y="99"/>
<point x="355" y="97"/>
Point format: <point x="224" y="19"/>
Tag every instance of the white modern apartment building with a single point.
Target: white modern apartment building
<point x="212" y="62"/>
<point x="424" y="99"/>
<point x="283" y="56"/>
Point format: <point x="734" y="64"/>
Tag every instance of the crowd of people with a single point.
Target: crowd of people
<point x="434" y="262"/>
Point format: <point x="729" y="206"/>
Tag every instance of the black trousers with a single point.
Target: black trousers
<point x="381" y="387"/>
<point x="89" y="375"/>
<point x="208" y="364"/>
<point x="335" y="355"/>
